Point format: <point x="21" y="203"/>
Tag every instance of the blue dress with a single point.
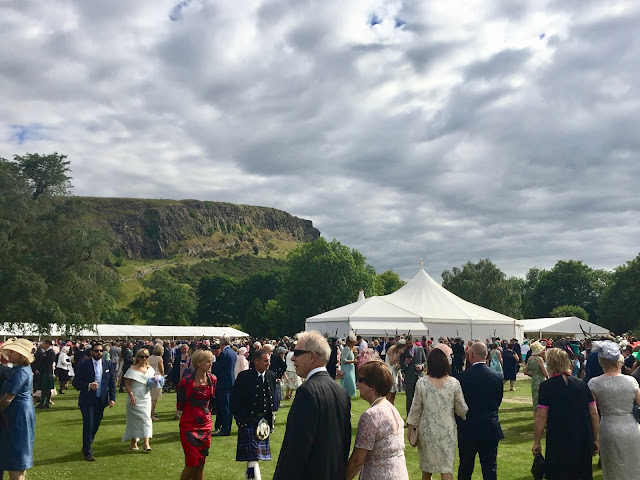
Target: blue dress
<point x="349" y="369"/>
<point x="18" y="421"/>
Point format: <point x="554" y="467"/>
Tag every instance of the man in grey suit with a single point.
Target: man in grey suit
<point x="318" y="436"/>
<point x="413" y="362"/>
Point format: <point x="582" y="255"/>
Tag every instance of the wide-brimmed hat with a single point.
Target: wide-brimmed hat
<point x="20" y="345"/>
<point x="537" y="348"/>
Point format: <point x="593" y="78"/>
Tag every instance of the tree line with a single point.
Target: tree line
<point x="54" y="268"/>
<point x="571" y="288"/>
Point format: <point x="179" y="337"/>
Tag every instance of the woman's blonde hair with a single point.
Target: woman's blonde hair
<point x="199" y="356"/>
<point x="140" y="353"/>
<point x="558" y="361"/>
<point x="158" y="350"/>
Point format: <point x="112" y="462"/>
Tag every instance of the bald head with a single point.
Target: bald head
<point x="478" y="352"/>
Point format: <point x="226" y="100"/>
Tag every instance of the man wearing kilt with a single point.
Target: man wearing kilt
<point x="252" y="407"/>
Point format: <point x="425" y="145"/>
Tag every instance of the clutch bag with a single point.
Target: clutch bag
<point x="412" y="436"/>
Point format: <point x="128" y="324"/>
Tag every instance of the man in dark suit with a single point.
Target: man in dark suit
<point x="332" y="365"/>
<point x="251" y="402"/>
<point x="481" y="432"/>
<point x="318" y="436"/>
<point x="412" y="362"/>
<point x="96" y="381"/>
<point x="127" y="361"/>
<point x="224" y="371"/>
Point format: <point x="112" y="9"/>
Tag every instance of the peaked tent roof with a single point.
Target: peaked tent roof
<point x="421" y="299"/>
<point x="567" y="325"/>
<point x="431" y="301"/>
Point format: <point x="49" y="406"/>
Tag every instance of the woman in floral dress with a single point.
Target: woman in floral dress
<point x="438" y="396"/>
<point x="196" y="392"/>
<point x="536" y="369"/>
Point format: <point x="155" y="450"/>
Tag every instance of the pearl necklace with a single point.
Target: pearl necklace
<point x="376" y="401"/>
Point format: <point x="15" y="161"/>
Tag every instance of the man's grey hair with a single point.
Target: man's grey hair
<point x="315" y="342"/>
<point x="224" y="340"/>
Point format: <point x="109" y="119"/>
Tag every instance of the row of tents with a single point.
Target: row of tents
<point x="423" y="307"/>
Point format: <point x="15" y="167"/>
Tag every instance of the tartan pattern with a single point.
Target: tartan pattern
<point x="249" y="448"/>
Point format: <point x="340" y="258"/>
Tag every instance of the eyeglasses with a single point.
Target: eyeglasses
<point x="143" y="356"/>
<point x="361" y="379"/>
<point x="97" y="351"/>
<point x="297" y="353"/>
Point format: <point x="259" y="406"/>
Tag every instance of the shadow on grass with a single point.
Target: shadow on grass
<point x="109" y="450"/>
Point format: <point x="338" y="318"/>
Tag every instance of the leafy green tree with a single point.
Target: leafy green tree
<point x="45" y="174"/>
<point x="619" y="304"/>
<point x="255" y="320"/>
<point x="527" y="287"/>
<point x="165" y="301"/>
<point x="388" y="282"/>
<point x="484" y="284"/>
<point x="322" y="276"/>
<point x="51" y="259"/>
<point x="569" y="282"/>
<point x="570" y="311"/>
<point x="217" y="297"/>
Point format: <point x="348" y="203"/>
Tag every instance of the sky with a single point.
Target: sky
<point x="443" y="131"/>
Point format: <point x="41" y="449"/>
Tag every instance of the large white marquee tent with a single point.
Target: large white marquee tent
<point x="107" y="331"/>
<point x="421" y="307"/>
<point x="564" y="326"/>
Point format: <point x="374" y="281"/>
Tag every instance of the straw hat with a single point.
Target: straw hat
<point x="537" y="348"/>
<point x="20" y="345"/>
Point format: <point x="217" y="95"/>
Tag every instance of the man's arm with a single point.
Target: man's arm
<point x="298" y="439"/>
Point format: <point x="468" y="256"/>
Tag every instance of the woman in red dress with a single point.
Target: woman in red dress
<point x="196" y="393"/>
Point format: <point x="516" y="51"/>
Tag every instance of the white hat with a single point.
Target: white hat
<point x="20" y="345"/>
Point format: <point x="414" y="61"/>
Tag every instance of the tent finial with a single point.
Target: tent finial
<point x="421" y="264"/>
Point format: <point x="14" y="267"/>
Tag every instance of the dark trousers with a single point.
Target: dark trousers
<point x="92" y="413"/>
<point x="410" y="390"/>
<point x="487" y="451"/>
<point x="223" y="418"/>
<point x="125" y="367"/>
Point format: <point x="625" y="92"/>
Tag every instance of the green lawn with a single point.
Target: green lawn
<point x="59" y="440"/>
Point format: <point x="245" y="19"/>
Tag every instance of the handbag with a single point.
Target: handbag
<point x="636" y="412"/>
<point x="339" y="374"/>
<point x="539" y="467"/>
<point x="412" y="436"/>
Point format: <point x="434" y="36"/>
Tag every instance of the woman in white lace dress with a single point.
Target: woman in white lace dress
<point x="438" y="396"/>
<point x="139" y="405"/>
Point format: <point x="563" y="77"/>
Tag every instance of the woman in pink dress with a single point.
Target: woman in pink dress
<point x="378" y="452"/>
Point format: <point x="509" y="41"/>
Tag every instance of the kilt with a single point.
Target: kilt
<point x="250" y="449"/>
<point x="46" y="381"/>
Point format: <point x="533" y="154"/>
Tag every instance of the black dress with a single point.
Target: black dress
<point x="509" y="365"/>
<point x="569" y="445"/>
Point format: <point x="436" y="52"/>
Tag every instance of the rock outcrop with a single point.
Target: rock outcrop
<point x="149" y="228"/>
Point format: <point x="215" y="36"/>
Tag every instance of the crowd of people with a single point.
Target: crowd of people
<point x="583" y="395"/>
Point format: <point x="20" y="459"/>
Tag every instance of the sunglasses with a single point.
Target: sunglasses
<point x="297" y="353"/>
<point x="361" y="379"/>
<point x="96" y="351"/>
<point x="143" y="356"/>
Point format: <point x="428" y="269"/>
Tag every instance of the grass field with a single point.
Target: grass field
<point x="59" y="439"/>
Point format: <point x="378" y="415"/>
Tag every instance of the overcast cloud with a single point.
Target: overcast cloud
<point x="438" y="130"/>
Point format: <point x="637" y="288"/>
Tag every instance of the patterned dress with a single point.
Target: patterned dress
<point x="381" y="432"/>
<point x="432" y="412"/>
<point x="536" y="378"/>
<point x="619" y="431"/>
<point x="195" y="423"/>
<point x="494" y="363"/>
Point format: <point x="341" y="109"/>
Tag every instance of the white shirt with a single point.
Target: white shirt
<point x="315" y="370"/>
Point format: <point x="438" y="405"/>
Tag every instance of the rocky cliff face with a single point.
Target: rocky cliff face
<point x="149" y="228"/>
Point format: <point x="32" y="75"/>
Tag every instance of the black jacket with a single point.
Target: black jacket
<point x="250" y="397"/>
<point x="482" y="389"/>
<point x="318" y="436"/>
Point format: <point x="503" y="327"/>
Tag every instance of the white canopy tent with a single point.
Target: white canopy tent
<point x="107" y="331"/>
<point x="422" y="305"/>
<point x="564" y="326"/>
